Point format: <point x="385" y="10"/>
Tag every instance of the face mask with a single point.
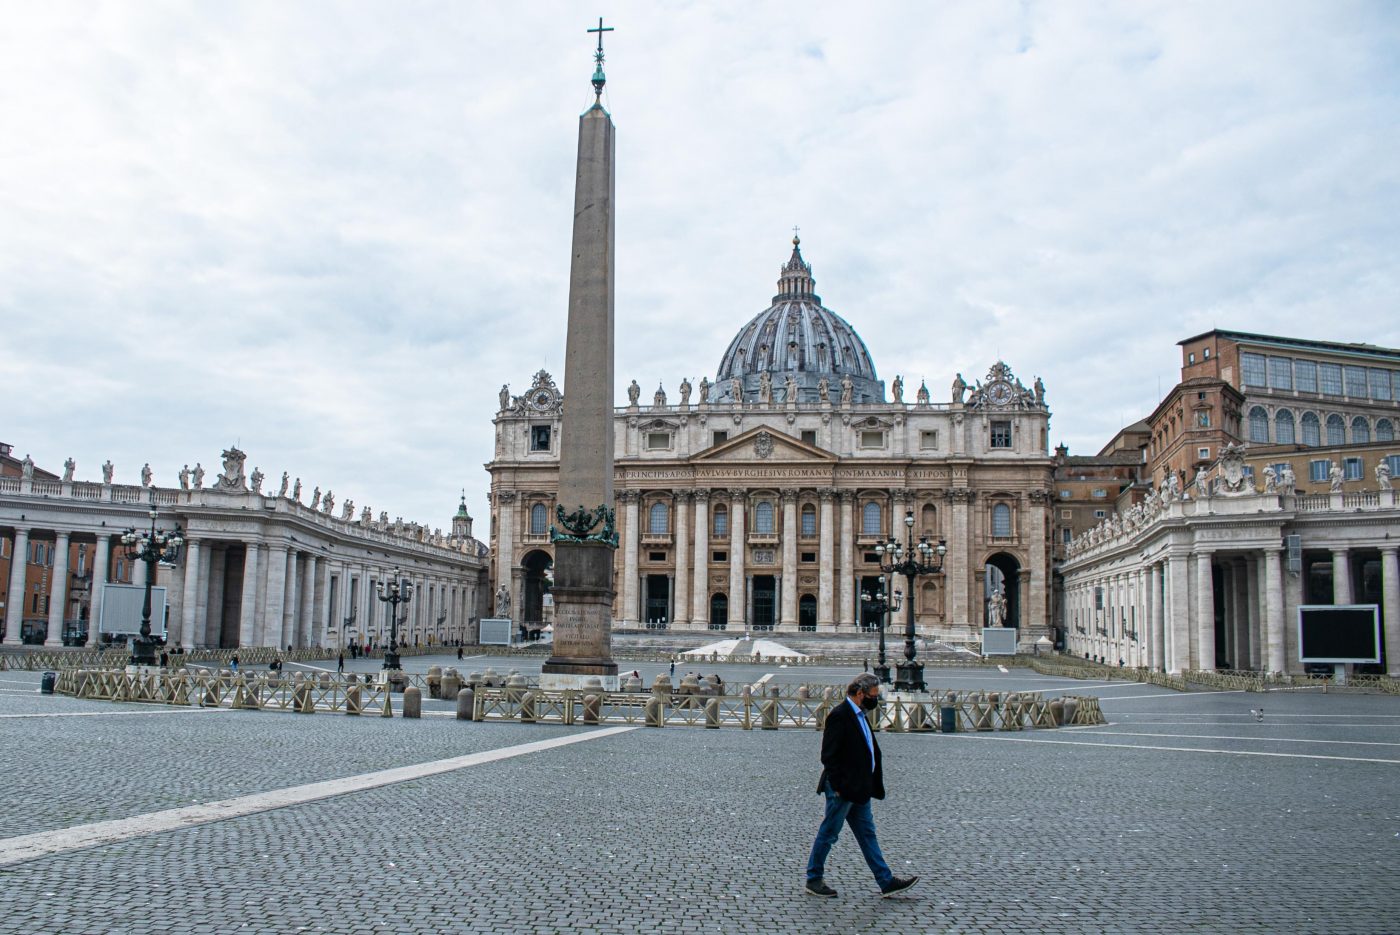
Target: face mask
<point x="870" y="704"/>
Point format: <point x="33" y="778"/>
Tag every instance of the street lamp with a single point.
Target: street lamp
<point x="911" y="560"/>
<point x="150" y="547"/>
<point x="880" y="603"/>
<point x="395" y="592"/>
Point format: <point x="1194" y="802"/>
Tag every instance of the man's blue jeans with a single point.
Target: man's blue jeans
<point x="862" y="823"/>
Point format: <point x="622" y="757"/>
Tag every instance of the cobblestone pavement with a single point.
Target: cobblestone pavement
<point x="1185" y="814"/>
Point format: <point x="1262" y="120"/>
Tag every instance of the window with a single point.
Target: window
<point x="539" y="438"/>
<point x="1356" y="381"/>
<point x="1191" y="358"/>
<point x="1279" y="468"/>
<point x="928" y="438"/>
<point x="1065" y="535"/>
<point x="721" y="521"/>
<point x="809" y="557"/>
<point x="1395" y="384"/>
<point x="720" y="556"/>
<point x="1385" y="430"/>
<point x="1305" y="376"/>
<point x="1066" y="494"/>
<point x="720" y="437"/>
<point x="763" y="518"/>
<point x="1360" y="431"/>
<point x="1099" y="493"/>
<point x="1206" y="353"/>
<point x="1001" y="434"/>
<point x="539" y="520"/>
<point x="1317" y="471"/>
<point x="1100" y="514"/>
<point x="1202" y="454"/>
<point x="1253" y="366"/>
<point x="657" y="441"/>
<point x="1312" y="430"/>
<point x="1336" y="430"/>
<point x="657" y="519"/>
<point x="1351" y="469"/>
<point x="1001" y="520"/>
<point x="1258" y="425"/>
<point x="1394" y="462"/>
<point x="809" y="520"/>
<point x="1331" y="379"/>
<point x="656" y="556"/>
<point x="1380" y="384"/>
<point x="870" y="519"/>
<point x="809" y="437"/>
<point x="872" y="438"/>
<point x="1283" y="427"/>
<point x="1281" y="373"/>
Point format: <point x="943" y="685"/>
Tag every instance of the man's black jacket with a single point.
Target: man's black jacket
<point x="846" y="758"/>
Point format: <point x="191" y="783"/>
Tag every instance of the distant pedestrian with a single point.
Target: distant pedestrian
<point x="233" y="663"/>
<point x="164" y="659"/>
<point x="865" y="664"/>
<point x="340" y="664"/>
<point x="459" y="654"/>
<point x="673" y="668"/>
<point x="852" y="775"/>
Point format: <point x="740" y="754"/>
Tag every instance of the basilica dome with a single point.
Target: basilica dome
<point x="796" y="336"/>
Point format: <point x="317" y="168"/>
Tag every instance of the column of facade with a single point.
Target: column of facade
<point x="958" y="577"/>
<point x="738" y="593"/>
<point x="190" y="601"/>
<point x="275" y="595"/>
<point x="680" y="596"/>
<point x="1177" y="626"/>
<point x="58" y="590"/>
<point x="211" y="624"/>
<point x="1254" y="607"/>
<point x="1273" y="610"/>
<point x="101" y="558"/>
<point x="1239" y="580"/>
<point x="291" y="597"/>
<point x="787" y="619"/>
<point x="1035" y="619"/>
<point x="248" y="604"/>
<point x="14" y="606"/>
<point x="1341" y="577"/>
<point x="1390" y="607"/>
<point x="826" y="559"/>
<point x="505" y="543"/>
<point x="306" y="626"/>
<point x="700" y="590"/>
<point x="846" y="612"/>
<point x="1205" y="613"/>
<point x="1155" y="643"/>
<point x="199" y="639"/>
<point x="631" y="547"/>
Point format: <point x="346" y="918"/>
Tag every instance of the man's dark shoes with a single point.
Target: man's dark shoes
<point x="819" y="888"/>
<point x="897" y="885"/>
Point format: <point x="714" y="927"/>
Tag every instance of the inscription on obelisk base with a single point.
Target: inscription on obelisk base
<point x="582" y="618"/>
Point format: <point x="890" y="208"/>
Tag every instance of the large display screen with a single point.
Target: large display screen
<point x="1339" y="633"/>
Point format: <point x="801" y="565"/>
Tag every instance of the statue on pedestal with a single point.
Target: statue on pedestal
<point x="503" y="601"/>
<point x="685" y="391"/>
<point x="704" y="390"/>
<point x="198" y="475"/>
<point x="765" y="389"/>
<point x="146" y="474"/>
<point x="282" y="491"/>
<point x="634" y="393"/>
<point x="316" y="498"/>
<point x="348" y="510"/>
<point x="69" y="467"/>
<point x="185" y="477"/>
<point x="107" y="470"/>
<point x="1383" y="475"/>
<point x="824" y="390"/>
<point x="26" y="468"/>
<point x="897" y="389"/>
<point x="1335" y="477"/>
<point x="736" y="391"/>
<point x="328" y="503"/>
<point x="847" y="389"/>
<point x="959" y="388"/>
<point x="790" y="390"/>
<point x="366" y="516"/>
<point x="996" y="608"/>
<point x="1270" y="479"/>
<point x="505" y="397"/>
<point x="1288" y="481"/>
<point x="296" y="490"/>
<point x="256" y="480"/>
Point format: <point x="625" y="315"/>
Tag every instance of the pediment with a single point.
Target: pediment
<point x="763" y="444"/>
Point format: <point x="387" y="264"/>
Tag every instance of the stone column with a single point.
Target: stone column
<point x="787" y="619"/>
<point x="212" y="624"/>
<point x="1155" y="644"/>
<point x="1273" y="609"/>
<point x="1205" y="612"/>
<point x="14" y="604"/>
<point x="826" y="560"/>
<point x="1341" y="577"/>
<point x="248" y="605"/>
<point x="738" y="595"/>
<point x="631" y="547"/>
<point x="846" y="612"/>
<point x="1035" y="614"/>
<point x="276" y="596"/>
<point x="1253" y="608"/>
<point x="190" y="602"/>
<point x="101" y="560"/>
<point x="700" y="590"/>
<point x="58" y="590"/>
<point x="680" y="596"/>
<point x="1178" y="627"/>
<point x="291" y="598"/>
<point x="306" y="626"/>
<point x="1390" y="608"/>
<point x="958" y="577"/>
<point x="505" y="547"/>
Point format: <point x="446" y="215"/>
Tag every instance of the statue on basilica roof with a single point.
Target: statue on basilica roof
<point x="634" y="393"/>
<point x="704" y="390"/>
<point x="685" y="391"/>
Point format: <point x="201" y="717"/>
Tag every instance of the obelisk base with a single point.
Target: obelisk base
<point x="583" y="597"/>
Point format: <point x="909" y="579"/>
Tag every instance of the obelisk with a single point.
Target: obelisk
<point x="583" y="535"/>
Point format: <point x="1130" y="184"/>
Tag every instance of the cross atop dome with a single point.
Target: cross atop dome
<point x="796" y="280"/>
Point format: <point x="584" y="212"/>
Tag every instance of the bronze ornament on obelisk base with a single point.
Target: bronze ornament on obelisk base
<point x="584" y="537"/>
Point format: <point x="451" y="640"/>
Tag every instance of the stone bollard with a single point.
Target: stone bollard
<point x="527" y="706"/>
<point x="661" y="685"/>
<point x="352" y="697"/>
<point x="516" y="687"/>
<point x="412" y="702"/>
<point x="490" y="678"/>
<point x="451" y="683"/>
<point x="434" y="681"/>
<point x="324" y="680"/>
<point x="1071" y="708"/>
<point x="1057" y="712"/>
<point x="690" y="685"/>
<point x="768" y="714"/>
<point x="592" y="707"/>
<point x="712" y="713"/>
<point x="466" y="699"/>
<point x="352" y="677"/>
<point x="475" y="679"/>
<point x="804" y="693"/>
<point x="655" y="711"/>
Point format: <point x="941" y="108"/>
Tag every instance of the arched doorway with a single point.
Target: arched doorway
<point x="1003" y="571"/>
<point x="534" y="586"/>
<point x="807" y="613"/>
<point x="719" y="611"/>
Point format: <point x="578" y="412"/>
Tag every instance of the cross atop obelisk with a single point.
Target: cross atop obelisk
<point x="583" y="533"/>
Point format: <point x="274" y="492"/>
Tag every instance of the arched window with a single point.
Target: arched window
<point x="1258" y="425"/>
<point x="1001" y="520"/>
<point x="721" y="520"/>
<point x="1283" y="427"/>
<point x="928" y="520"/>
<point x="539" y="520"/>
<point x="870" y="519"/>
<point x="1312" y="430"/>
<point x="1385" y="430"/>
<point x="1360" y="430"/>
<point x="657" y="518"/>
<point x="763" y="518"/>
<point x="1336" y="430"/>
<point x="809" y="520"/>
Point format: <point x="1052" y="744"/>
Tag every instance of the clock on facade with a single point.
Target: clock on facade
<point x="542" y="399"/>
<point x="999" y="393"/>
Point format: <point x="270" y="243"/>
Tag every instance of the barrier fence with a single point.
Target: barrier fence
<point x="118" y="658"/>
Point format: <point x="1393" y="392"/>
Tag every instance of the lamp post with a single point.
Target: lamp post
<point x="911" y="560"/>
<point x="395" y="592"/>
<point x="881" y="603"/>
<point x="150" y="547"/>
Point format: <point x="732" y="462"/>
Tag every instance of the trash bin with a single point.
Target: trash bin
<point x="46" y="684"/>
<point x="950" y="719"/>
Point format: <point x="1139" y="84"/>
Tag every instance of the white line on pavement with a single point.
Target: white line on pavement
<point x="21" y="691"/>
<point x="1238" y="691"/>
<point x="7" y="717"/>
<point x="1143" y="746"/>
<point x="44" y="843"/>
<point x="17" y="681"/>
<point x="1246" y="714"/>
<point x="1257" y="738"/>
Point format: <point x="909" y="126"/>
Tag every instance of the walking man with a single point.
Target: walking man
<point x="851" y="777"/>
<point x="340" y="664"/>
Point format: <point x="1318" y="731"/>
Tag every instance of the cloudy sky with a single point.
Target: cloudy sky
<point x="328" y="232"/>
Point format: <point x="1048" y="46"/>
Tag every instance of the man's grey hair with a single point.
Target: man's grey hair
<point x="862" y="683"/>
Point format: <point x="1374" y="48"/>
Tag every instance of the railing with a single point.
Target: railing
<point x="1312" y="503"/>
<point x="1364" y="498"/>
<point x="46" y="488"/>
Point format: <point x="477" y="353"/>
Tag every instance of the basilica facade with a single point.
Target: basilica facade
<point x="755" y="501"/>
